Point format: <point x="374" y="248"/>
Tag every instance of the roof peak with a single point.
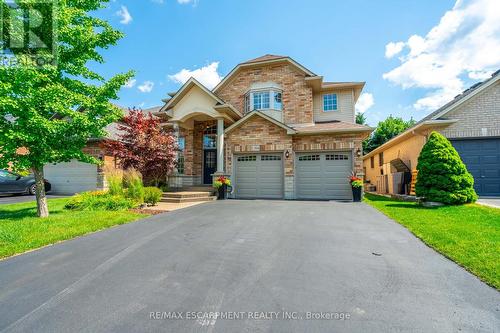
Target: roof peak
<point x="265" y="57"/>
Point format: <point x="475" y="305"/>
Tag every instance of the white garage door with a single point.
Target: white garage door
<point x="323" y="176"/>
<point x="259" y="176"/>
<point x="71" y="177"/>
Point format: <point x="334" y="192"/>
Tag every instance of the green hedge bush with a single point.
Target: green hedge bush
<point x="152" y="195"/>
<point x="442" y="176"/>
<point x="99" y="200"/>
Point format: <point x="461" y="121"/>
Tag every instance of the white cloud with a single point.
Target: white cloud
<point x="146" y="87"/>
<point x="130" y="83"/>
<point x="208" y="75"/>
<point x="464" y="44"/>
<point x="126" y="18"/>
<point x="392" y="49"/>
<point x="365" y="101"/>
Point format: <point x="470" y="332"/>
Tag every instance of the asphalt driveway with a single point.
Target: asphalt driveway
<point x="10" y="199"/>
<point x="246" y="266"/>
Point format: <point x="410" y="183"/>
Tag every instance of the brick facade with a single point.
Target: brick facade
<point x="297" y="96"/>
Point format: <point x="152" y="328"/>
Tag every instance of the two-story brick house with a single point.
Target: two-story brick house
<point x="274" y="127"/>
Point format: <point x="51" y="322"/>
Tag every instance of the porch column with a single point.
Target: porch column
<point x="220" y="145"/>
<point x="176" y="136"/>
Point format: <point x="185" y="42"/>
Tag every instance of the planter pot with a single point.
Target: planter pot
<point x="222" y="192"/>
<point x="357" y="193"/>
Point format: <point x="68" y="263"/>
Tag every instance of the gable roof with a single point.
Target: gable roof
<point x="252" y="114"/>
<point x="184" y="90"/>
<point x="331" y="127"/>
<point x="265" y="59"/>
<point x="435" y="119"/>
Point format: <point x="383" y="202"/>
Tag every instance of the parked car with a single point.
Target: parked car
<point x="13" y="183"/>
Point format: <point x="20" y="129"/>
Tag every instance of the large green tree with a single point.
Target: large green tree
<point x="48" y="112"/>
<point x="442" y="176"/>
<point x="386" y="130"/>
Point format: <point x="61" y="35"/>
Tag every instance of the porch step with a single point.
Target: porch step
<point x="188" y="196"/>
<point x="199" y="188"/>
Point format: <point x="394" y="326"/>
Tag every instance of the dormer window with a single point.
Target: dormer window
<point x="269" y="99"/>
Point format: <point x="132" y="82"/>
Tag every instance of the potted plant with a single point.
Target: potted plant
<point x="221" y="183"/>
<point x="357" y="187"/>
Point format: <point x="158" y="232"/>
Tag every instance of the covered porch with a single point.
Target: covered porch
<point x="198" y="119"/>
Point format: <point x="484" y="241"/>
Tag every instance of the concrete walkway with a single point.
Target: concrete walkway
<point x="492" y="202"/>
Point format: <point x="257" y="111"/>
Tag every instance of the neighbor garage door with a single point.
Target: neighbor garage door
<point x="259" y="176"/>
<point x="71" y="177"/>
<point x="482" y="158"/>
<point x="323" y="176"/>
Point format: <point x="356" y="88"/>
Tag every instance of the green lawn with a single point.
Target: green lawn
<point x="21" y="230"/>
<point x="468" y="234"/>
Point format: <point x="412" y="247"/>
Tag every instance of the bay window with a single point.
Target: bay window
<point x="256" y="100"/>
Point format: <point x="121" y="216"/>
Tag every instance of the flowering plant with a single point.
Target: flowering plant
<point x="355" y="181"/>
<point x="221" y="181"/>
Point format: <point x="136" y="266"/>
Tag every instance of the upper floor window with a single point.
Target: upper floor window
<point x="263" y="100"/>
<point x="181" y="143"/>
<point x="330" y="102"/>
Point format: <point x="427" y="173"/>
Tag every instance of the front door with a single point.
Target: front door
<point x="209" y="165"/>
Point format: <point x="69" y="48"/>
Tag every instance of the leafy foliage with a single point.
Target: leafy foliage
<point x="152" y="195"/>
<point x="99" y="200"/>
<point x="114" y="177"/>
<point x="132" y="181"/>
<point x="360" y="118"/>
<point x="442" y="176"/>
<point x="51" y="111"/>
<point x="145" y="146"/>
<point x="386" y="130"/>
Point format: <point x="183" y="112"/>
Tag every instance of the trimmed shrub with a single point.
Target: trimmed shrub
<point x="152" y="195"/>
<point x="132" y="180"/>
<point x="99" y="200"/>
<point x="442" y="176"/>
<point x="114" y="177"/>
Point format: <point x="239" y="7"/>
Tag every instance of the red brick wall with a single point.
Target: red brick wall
<point x="297" y="96"/>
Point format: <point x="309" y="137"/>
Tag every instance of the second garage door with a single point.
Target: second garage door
<point x="482" y="158"/>
<point x="323" y="176"/>
<point x="259" y="176"/>
<point x="71" y="177"/>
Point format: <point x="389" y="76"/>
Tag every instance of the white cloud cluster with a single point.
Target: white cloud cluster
<point x="146" y="87"/>
<point x="124" y="14"/>
<point x="465" y="43"/>
<point x="130" y="83"/>
<point x="207" y="75"/>
<point x="365" y="101"/>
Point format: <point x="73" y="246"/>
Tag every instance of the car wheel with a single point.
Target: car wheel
<point x="32" y="189"/>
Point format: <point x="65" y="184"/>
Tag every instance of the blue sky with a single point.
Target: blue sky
<point x="413" y="55"/>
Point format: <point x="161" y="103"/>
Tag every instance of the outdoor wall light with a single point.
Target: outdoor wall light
<point x="287" y="154"/>
<point x="358" y="152"/>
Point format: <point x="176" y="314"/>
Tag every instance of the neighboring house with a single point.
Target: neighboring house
<point x="73" y="177"/>
<point x="271" y="125"/>
<point x="471" y="121"/>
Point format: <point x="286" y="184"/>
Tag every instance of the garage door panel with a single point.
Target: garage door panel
<point x="71" y="177"/>
<point x="482" y="158"/>
<point x="259" y="176"/>
<point x="323" y="176"/>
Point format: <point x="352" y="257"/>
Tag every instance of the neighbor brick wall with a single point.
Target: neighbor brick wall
<point x="481" y="111"/>
<point x="297" y="96"/>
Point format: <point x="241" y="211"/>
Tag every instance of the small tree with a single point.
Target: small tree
<point x="442" y="176"/>
<point x="51" y="104"/>
<point x="386" y="130"/>
<point x="360" y="118"/>
<point x="145" y="146"/>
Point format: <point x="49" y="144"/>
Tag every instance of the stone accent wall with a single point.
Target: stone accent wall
<point x="326" y="142"/>
<point x="478" y="117"/>
<point x="297" y="96"/>
<point x="258" y="135"/>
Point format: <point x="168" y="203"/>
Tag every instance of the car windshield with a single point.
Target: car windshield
<point x="4" y="174"/>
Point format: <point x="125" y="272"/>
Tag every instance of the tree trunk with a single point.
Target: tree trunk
<point x="41" y="199"/>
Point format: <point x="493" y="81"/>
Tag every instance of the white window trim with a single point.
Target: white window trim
<point x="323" y="102"/>
<point x="271" y="92"/>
